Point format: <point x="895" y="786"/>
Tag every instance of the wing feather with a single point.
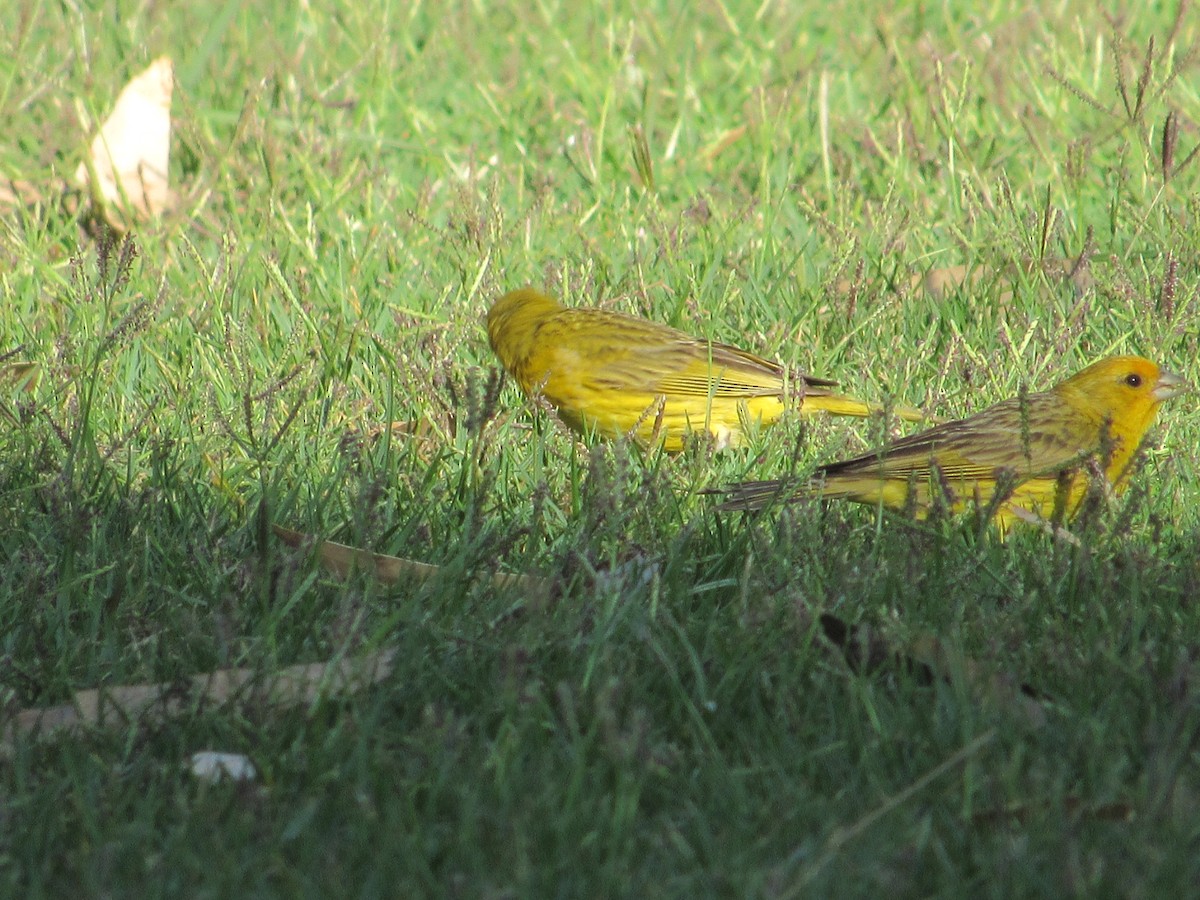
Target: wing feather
<point x="628" y="353"/>
<point x="1032" y="440"/>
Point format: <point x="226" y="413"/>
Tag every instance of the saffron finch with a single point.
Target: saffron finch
<point x="1037" y="446"/>
<point x="614" y="375"/>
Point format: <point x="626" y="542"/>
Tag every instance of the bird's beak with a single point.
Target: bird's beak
<point x="1169" y="385"/>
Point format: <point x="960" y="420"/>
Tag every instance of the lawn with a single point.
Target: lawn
<point x="930" y="204"/>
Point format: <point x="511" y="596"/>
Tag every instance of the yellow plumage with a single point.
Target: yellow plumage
<point x="1038" y="445"/>
<point x="616" y="375"/>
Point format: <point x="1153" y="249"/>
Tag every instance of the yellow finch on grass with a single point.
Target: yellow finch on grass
<point x="615" y="375"/>
<point x="1036" y="447"/>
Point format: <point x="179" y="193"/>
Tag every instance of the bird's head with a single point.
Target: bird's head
<point x="512" y="318"/>
<point x="1122" y="390"/>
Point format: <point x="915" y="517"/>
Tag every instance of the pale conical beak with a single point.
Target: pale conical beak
<point x="1169" y="385"/>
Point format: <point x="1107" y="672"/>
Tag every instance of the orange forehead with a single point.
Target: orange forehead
<point x="1136" y="365"/>
<point x="1118" y="367"/>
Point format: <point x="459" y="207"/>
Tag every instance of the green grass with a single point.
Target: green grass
<point x="359" y="182"/>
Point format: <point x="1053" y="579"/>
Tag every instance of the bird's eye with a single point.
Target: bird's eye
<point x="1134" y="380"/>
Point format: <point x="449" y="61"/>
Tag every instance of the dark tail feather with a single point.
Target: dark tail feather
<point x="751" y="495"/>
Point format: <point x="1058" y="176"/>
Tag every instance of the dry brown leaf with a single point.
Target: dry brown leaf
<point x="1000" y="688"/>
<point x="724" y="140"/>
<point x="18" y="192"/>
<point x="126" y="171"/>
<point x="938" y="283"/>
<point x="149" y="703"/>
<point x="342" y="559"/>
<point x="422" y="433"/>
<point x="17" y="378"/>
<point x="927" y="660"/>
<point x="23" y="376"/>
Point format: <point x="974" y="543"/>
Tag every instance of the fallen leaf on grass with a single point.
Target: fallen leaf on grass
<point x="422" y="433"/>
<point x="865" y="651"/>
<point x="343" y="559"/>
<point x="126" y="169"/>
<point x="22" y="376"/>
<point x="723" y="141"/>
<point x="18" y="192"/>
<point x="301" y="685"/>
<point x="17" y="378"/>
<point x="214" y="767"/>
<point x="927" y="660"/>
